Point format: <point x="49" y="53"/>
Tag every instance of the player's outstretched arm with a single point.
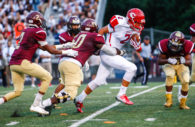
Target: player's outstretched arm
<point x="52" y="49"/>
<point x="110" y="50"/>
<point x="103" y="30"/>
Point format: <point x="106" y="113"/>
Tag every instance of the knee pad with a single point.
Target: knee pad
<point x="169" y="81"/>
<point x="130" y="72"/>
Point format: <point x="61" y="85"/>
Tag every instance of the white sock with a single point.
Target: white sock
<point x="122" y="90"/>
<point x="1" y="101"/>
<point x="38" y="99"/>
<point x="81" y="97"/>
<point x="182" y="96"/>
<point x="168" y="92"/>
<point x="46" y="103"/>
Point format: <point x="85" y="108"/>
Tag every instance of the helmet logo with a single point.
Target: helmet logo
<point x="37" y="17"/>
<point x="178" y="34"/>
<point x="75" y="21"/>
<point x="132" y="15"/>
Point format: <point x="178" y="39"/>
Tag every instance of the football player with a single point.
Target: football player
<point x="175" y="56"/>
<point x="74" y="27"/>
<point x="33" y="37"/>
<point x="120" y="30"/>
<point x="87" y="43"/>
<point x="192" y="33"/>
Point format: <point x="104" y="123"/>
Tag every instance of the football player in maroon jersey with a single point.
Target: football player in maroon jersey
<point x="192" y="33"/>
<point x="33" y="37"/>
<point x="175" y="58"/>
<point x="74" y="27"/>
<point x="87" y="43"/>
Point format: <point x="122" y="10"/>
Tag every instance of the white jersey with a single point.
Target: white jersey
<point x="119" y="32"/>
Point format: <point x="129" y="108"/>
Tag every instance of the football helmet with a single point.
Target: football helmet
<point x="136" y="19"/>
<point x="176" y="41"/>
<point x="36" y="19"/>
<point x="192" y="29"/>
<point x="74" y="25"/>
<point x="89" y="25"/>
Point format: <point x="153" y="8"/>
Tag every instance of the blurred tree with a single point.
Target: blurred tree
<point x="167" y="15"/>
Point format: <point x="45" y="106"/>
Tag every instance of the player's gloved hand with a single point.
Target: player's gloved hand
<point x="70" y="52"/>
<point x="172" y="60"/>
<point x="182" y="60"/>
<point x="68" y="45"/>
<point x="86" y="66"/>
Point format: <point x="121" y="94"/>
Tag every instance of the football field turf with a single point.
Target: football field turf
<point x="102" y="110"/>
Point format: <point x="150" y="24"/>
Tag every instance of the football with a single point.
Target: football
<point x="135" y="37"/>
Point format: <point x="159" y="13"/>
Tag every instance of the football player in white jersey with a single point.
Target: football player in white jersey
<point x="120" y="30"/>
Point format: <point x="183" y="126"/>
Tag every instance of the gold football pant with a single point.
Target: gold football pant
<point x="193" y="69"/>
<point x="181" y="71"/>
<point x="18" y="77"/>
<point x="72" y="77"/>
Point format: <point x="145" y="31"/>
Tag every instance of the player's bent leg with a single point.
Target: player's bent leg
<point x="102" y="74"/>
<point x="130" y="69"/>
<point x="18" y="82"/>
<point x="168" y="95"/>
<point x="170" y="73"/>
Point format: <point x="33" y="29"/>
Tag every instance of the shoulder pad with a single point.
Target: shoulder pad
<point x="163" y="45"/>
<point x="116" y="20"/>
<point x="188" y="46"/>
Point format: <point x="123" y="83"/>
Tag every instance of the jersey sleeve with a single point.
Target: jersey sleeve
<point x="115" y="21"/>
<point x="162" y="45"/>
<point x="61" y="39"/>
<point x="99" y="39"/>
<point x="40" y="36"/>
<point x="188" y="47"/>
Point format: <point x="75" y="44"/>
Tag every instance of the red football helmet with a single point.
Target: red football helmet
<point x="136" y="19"/>
<point x="36" y="19"/>
<point x="89" y="25"/>
<point x="192" y="29"/>
<point x="176" y="41"/>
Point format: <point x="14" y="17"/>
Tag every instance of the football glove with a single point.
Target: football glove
<point x="70" y="52"/>
<point x="172" y="60"/>
<point x="182" y="60"/>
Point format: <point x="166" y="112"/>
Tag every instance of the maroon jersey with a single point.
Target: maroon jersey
<point x="187" y="48"/>
<point x="65" y="37"/>
<point x="86" y="45"/>
<point x="30" y="40"/>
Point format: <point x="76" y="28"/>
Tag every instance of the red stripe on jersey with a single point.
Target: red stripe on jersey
<point x="110" y="38"/>
<point x="113" y="21"/>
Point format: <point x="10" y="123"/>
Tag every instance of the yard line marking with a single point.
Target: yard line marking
<point x="84" y="120"/>
<point x="12" y="123"/>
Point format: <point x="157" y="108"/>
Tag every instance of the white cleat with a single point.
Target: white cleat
<point x="38" y="110"/>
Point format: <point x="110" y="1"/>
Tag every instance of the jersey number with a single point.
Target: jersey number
<point x="21" y="37"/>
<point x="79" y="41"/>
<point x="127" y="38"/>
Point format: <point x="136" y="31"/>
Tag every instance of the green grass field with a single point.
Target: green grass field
<point x="147" y="105"/>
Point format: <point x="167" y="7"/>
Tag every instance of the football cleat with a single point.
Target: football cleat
<point x="38" y="110"/>
<point x="169" y="101"/>
<point x="124" y="99"/>
<point x="183" y="104"/>
<point x="79" y="106"/>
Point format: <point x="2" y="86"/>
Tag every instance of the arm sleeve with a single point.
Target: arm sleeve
<point x="40" y="36"/>
<point x="99" y="39"/>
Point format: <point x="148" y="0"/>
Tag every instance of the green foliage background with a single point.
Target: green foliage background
<point x="167" y="15"/>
